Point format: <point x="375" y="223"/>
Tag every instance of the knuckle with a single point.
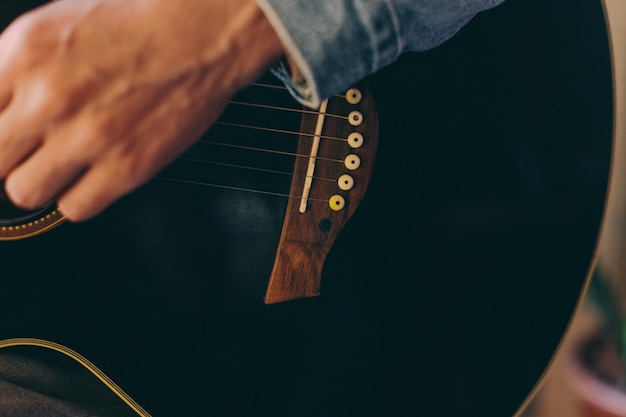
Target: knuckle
<point x="43" y="100"/>
<point x="88" y="138"/>
<point x="27" y="31"/>
<point x="131" y="171"/>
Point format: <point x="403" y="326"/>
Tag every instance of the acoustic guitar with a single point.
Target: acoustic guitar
<point x="292" y="264"/>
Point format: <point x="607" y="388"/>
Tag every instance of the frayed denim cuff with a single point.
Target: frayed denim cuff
<point x="331" y="43"/>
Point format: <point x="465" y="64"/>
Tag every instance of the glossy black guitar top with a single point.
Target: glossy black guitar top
<point x="446" y="292"/>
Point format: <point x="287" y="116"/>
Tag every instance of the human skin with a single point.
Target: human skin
<point x="96" y="96"/>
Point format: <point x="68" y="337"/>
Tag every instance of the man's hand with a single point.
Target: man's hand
<point x="96" y="96"/>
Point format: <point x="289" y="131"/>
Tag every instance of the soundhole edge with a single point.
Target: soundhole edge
<point x="16" y="225"/>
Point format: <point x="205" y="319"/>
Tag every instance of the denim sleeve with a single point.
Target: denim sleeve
<point x="334" y="43"/>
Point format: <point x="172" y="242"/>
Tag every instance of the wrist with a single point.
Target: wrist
<point x="253" y="41"/>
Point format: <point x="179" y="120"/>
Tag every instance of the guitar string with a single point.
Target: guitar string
<point x="289" y="109"/>
<point x="251" y="168"/>
<point x="280" y="87"/>
<point x="270" y="151"/>
<point x="233" y="188"/>
<point x="277" y="86"/>
<point x="273" y="130"/>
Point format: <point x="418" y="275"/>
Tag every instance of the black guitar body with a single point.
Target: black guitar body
<point x="447" y="292"/>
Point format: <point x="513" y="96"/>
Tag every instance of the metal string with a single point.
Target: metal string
<point x="228" y="187"/>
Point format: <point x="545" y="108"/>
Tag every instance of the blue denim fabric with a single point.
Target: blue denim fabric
<point x="335" y="43"/>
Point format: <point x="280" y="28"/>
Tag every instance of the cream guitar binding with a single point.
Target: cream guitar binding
<point x="7" y="344"/>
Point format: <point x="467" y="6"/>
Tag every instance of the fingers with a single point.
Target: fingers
<point x="79" y="171"/>
<point x="42" y="176"/>
<point x="97" y="189"/>
<point x="18" y="139"/>
<point x="26" y="117"/>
